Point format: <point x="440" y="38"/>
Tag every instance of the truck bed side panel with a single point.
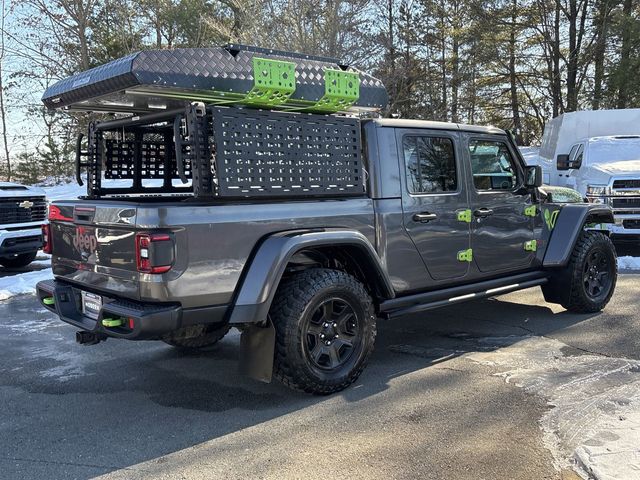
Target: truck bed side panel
<point x="213" y="244"/>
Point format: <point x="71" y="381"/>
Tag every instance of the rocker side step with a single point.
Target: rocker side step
<point x="419" y="302"/>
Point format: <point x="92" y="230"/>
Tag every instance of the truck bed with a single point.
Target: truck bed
<point x="94" y="242"/>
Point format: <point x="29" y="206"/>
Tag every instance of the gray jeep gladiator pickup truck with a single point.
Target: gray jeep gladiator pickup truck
<point x="283" y="213"/>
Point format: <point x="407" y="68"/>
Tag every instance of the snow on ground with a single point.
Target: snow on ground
<point x="629" y="263"/>
<point x="72" y="190"/>
<point x="64" y="191"/>
<point x="22" y="283"/>
<point x="595" y="423"/>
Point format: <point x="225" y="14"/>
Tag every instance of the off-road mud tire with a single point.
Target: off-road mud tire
<point x="298" y="298"/>
<point x="579" y="298"/>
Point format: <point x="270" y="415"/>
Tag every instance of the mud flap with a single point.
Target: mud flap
<point x="557" y="289"/>
<point x="257" y="346"/>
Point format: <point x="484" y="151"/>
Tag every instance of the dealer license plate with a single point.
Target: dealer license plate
<point x="91" y="304"/>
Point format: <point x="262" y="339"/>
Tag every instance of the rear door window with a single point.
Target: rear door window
<point x="430" y="164"/>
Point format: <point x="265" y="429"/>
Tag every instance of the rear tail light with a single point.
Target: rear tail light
<point x="154" y="252"/>
<point x="47" y="245"/>
<point x="55" y="213"/>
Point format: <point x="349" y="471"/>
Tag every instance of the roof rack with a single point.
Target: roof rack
<point x="160" y="80"/>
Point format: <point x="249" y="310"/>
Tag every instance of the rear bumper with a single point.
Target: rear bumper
<point x="142" y="321"/>
<point x="20" y="241"/>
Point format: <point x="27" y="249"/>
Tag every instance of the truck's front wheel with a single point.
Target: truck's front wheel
<point x="325" y="330"/>
<point x="593" y="272"/>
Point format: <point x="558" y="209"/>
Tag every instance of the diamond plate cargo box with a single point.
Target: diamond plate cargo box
<point x="155" y="80"/>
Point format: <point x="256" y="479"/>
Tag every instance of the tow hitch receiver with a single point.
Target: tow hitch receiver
<point x="89" y="338"/>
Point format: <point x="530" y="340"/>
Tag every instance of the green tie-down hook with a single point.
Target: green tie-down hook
<point x="112" y="322"/>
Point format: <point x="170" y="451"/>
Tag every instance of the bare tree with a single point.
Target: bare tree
<point x="3" y="108"/>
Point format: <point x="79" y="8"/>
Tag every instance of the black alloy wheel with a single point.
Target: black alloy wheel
<point x="598" y="274"/>
<point x="331" y="333"/>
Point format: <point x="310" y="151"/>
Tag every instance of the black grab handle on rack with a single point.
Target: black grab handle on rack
<point x="177" y="140"/>
<point x="79" y="154"/>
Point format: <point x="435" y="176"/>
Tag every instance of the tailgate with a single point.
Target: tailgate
<point x="94" y="246"/>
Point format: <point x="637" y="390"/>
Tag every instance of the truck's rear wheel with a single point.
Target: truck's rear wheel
<point x="196" y="336"/>
<point x="19" y="260"/>
<point x="593" y="272"/>
<point x="325" y="330"/>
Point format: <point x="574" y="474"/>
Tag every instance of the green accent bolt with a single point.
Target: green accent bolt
<point x="531" y="245"/>
<point x="465" y="255"/>
<point x="48" y="301"/>
<point x="464" y="216"/>
<point x="531" y="211"/>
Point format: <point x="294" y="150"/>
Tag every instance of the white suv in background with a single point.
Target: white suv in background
<point x="23" y="211"/>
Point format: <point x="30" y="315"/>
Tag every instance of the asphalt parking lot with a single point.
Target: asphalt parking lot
<point x="433" y="402"/>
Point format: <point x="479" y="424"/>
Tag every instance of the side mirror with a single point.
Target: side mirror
<point x="533" y="176"/>
<point x="562" y="162"/>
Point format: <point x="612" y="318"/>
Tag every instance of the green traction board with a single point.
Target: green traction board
<point x="341" y="90"/>
<point x="273" y="82"/>
<point x="465" y="255"/>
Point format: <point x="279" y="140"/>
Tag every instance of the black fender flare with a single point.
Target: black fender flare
<point x="570" y="222"/>
<point x="261" y="278"/>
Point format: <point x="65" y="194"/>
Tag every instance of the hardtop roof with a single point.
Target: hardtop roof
<point x="433" y="125"/>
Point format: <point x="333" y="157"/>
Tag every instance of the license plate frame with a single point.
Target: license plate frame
<point x="91" y="305"/>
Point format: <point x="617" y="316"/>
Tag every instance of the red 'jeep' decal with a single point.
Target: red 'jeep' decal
<point x="85" y="241"/>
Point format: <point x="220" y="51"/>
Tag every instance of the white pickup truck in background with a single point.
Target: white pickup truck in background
<point x="23" y="210"/>
<point x="596" y="153"/>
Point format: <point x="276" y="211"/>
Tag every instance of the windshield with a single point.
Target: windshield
<point x="606" y="150"/>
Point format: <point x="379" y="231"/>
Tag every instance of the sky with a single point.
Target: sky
<point x="24" y="131"/>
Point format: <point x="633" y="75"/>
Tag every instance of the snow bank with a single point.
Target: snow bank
<point x="64" y="191"/>
<point x="595" y="423"/>
<point x="22" y="283"/>
<point x="72" y="190"/>
<point x="629" y="263"/>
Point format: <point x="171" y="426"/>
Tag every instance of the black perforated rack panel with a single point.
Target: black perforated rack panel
<point x="263" y="153"/>
<point x="227" y="152"/>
